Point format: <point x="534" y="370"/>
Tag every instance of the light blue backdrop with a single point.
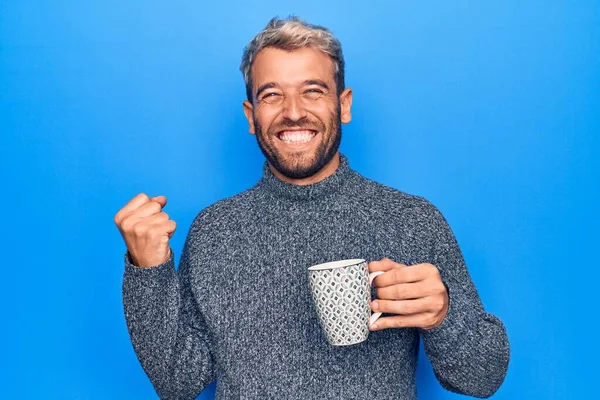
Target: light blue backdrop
<point x="491" y="111"/>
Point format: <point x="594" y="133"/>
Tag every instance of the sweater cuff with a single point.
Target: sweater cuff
<point x="157" y="275"/>
<point x="448" y="334"/>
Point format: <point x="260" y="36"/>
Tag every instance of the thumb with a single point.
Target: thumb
<point x="162" y="200"/>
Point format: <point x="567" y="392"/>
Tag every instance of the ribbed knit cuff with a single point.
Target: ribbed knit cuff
<point x="449" y="333"/>
<point x="158" y="275"/>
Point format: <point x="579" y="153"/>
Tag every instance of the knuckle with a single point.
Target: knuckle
<point x="386" y="262"/>
<point x="397" y="323"/>
<point x="412" y="308"/>
<point x="441" y="289"/>
<point x="431" y="320"/>
<point x="144" y="197"/>
<point x="160" y="217"/>
<point x="399" y="292"/>
<point x="398" y="273"/>
<point x="390" y="307"/>
<point x="155" y="206"/>
<point x="434" y="283"/>
<point x="139" y="229"/>
<point x="126" y="224"/>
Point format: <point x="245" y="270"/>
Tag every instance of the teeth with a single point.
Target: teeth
<point x="296" y="136"/>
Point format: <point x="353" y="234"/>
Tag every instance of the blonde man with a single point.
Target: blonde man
<point x="239" y="309"/>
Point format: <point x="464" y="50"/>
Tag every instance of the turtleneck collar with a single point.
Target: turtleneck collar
<point x="322" y="188"/>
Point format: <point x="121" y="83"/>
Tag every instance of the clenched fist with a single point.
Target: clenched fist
<point x="146" y="230"/>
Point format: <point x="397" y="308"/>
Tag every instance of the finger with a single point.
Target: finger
<point x="402" y="307"/>
<point x="167" y="224"/>
<point x="147" y="210"/>
<point x="403" y="321"/>
<point x="156" y="219"/>
<point x="402" y="291"/>
<point x="171" y="226"/>
<point x="152" y="222"/>
<point x="156" y="229"/>
<point x="168" y="227"/>
<point x="130" y="207"/>
<point x="384" y="264"/>
<point x="404" y="274"/>
<point x="162" y="200"/>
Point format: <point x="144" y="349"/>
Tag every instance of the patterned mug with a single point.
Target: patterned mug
<point x="341" y="291"/>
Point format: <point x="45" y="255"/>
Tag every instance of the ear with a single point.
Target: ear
<point x="346" y="106"/>
<point x="249" y="113"/>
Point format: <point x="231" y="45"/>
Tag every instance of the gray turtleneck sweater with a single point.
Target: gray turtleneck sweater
<point x="239" y="308"/>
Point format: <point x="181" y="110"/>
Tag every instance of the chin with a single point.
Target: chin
<point x="297" y="173"/>
<point x="301" y="166"/>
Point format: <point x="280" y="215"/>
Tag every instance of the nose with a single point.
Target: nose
<point x="293" y="109"/>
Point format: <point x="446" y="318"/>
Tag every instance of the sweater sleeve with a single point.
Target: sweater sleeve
<point x="167" y="329"/>
<point x="469" y="351"/>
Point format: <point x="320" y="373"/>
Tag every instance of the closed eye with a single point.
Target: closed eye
<point x="270" y="97"/>
<point x="313" y="93"/>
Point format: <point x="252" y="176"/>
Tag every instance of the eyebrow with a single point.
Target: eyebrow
<point x="272" y="85"/>
<point x="264" y="87"/>
<point x="317" y="82"/>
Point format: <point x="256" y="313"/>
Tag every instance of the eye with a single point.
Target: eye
<point x="313" y="93"/>
<point x="270" y="97"/>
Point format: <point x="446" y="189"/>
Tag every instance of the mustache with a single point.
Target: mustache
<point x="300" y="124"/>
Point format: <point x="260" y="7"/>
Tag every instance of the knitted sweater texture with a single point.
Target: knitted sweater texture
<point x="239" y="308"/>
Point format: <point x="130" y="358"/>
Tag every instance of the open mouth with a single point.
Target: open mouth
<point x="297" y="136"/>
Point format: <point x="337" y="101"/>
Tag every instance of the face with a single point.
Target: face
<point x="296" y="114"/>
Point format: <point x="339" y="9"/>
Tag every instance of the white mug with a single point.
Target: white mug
<point x="341" y="292"/>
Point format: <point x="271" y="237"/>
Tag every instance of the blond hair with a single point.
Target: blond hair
<point x="292" y="34"/>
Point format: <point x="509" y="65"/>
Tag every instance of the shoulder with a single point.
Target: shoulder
<point x="226" y="214"/>
<point x="392" y="199"/>
<point x="402" y="207"/>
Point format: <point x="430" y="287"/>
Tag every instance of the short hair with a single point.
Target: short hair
<point x="292" y="34"/>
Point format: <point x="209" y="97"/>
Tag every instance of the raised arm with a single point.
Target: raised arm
<point x="166" y="328"/>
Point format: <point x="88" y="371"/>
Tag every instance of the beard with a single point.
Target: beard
<point x="301" y="165"/>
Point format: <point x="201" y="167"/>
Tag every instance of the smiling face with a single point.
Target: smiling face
<point x="296" y="113"/>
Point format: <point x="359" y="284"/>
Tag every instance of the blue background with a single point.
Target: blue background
<point x="491" y="111"/>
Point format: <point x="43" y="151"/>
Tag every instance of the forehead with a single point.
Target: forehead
<point x="291" y="67"/>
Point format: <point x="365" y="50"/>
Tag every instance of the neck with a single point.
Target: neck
<point x="328" y="170"/>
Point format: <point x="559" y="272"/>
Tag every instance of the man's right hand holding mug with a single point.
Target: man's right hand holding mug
<point x="146" y="230"/>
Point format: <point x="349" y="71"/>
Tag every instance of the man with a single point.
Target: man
<point x="239" y="308"/>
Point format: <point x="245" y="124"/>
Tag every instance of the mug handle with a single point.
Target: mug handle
<point x="376" y="315"/>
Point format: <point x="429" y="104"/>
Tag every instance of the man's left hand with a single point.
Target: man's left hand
<point x="414" y="293"/>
